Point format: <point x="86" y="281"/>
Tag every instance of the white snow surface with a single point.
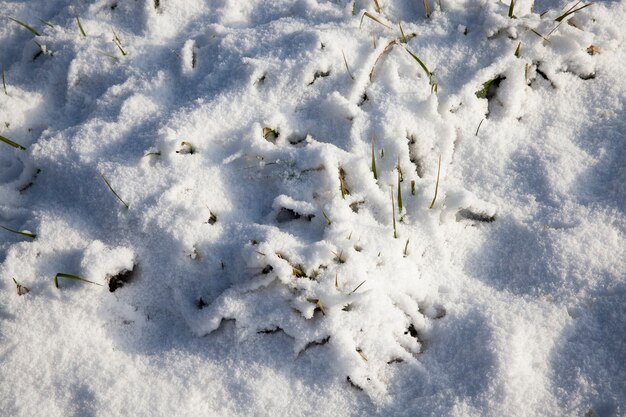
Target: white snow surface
<point x="250" y="247"/>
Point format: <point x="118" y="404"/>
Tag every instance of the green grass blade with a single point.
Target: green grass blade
<point x="403" y="38"/>
<point x="70" y="276"/>
<point x="399" y="195"/>
<point x="432" y="204"/>
<point x="3" y="83"/>
<point x="10" y="142"/>
<point x="373" y="18"/>
<point x="18" y="232"/>
<point x="571" y="11"/>
<point x="82" y="31"/>
<point x="421" y="64"/>
<point x="46" y="23"/>
<point x="113" y="191"/>
<point x="511" y="6"/>
<point x="517" y="50"/>
<point x="328" y="222"/>
<point x="33" y="31"/>
<point x="374" y="160"/>
<point x="393" y="216"/>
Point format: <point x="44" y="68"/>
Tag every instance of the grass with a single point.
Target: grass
<point x="33" y="31"/>
<point x="376" y="6"/>
<point x="328" y="222"/>
<point x="432" y="204"/>
<point x="357" y="287"/>
<point x="342" y="184"/>
<point x="406" y="248"/>
<point x="393" y="217"/>
<point x="82" y="31"/>
<point x="46" y="23"/>
<point x="374" y="160"/>
<point x="345" y="61"/>
<point x="571" y="10"/>
<point x="73" y="277"/>
<point x="339" y="258"/>
<point x="11" y="143"/>
<point x="4" y="85"/>
<point x="380" y="56"/>
<point x="412" y="187"/>
<point x="425" y="68"/>
<point x="403" y="38"/>
<point x="375" y="19"/>
<point x="21" y="290"/>
<point x="114" y="193"/>
<point x="399" y="193"/>
<point x="479" y="125"/>
<point x="511" y="7"/>
<point x="517" y="50"/>
<point x="118" y="43"/>
<point x="31" y="235"/>
<point x="426" y="10"/>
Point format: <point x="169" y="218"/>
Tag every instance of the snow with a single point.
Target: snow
<point x="211" y="171"/>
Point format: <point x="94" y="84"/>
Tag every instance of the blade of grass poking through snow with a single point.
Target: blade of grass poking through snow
<point x="118" y="43"/>
<point x="10" y="142"/>
<point x="82" y="31"/>
<point x="374" y="160"/>
<point x="113" y="191"/>
<point x="46" y="23"/>
<point x="376" y="6"/>
<point x="412" y="187"/>
<point x="328" y="222"/>
<point x="380" y="56"/>
<point x="478" y="128"/>
<point x="373" y="18"/>
<point x="421" y="64"/>
<point x="358" y="286"/>
<point x="399" y="195"/>
<point x="3" y="83"/>
<point x="406" y="248"/>
<point x="70" y="276"/>
<point x="33" y="31"/>
<point x="432" y="204"/>
<point x="517" y="50"/>
<point x="403" y="38"/>
<point x="571" y="11"/>
<point x="426" y="11"/>
<point x="511" y="6"/>
<point x="393" y="216"/>
<point x="31" y="235"/>
<point x="345" y="61"/>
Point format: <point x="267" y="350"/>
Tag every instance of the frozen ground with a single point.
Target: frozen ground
<point x="266" y="278"/>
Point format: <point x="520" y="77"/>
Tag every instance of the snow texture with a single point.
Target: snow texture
<point x="210" y="166"/>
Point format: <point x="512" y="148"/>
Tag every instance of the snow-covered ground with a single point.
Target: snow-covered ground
<point x="210" y="165"/>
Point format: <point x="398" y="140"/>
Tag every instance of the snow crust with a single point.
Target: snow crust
<point x="209" y="165"/>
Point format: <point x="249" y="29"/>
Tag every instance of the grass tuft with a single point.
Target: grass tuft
<point x="31" y="235"/>
<point x="73" y="277"/>
<point x="11" y="143"/>
<point x="33" y="31"/>
<point x="113" y="191"/>
<point x="82" y="31"/>
<point x="432" y="204"/>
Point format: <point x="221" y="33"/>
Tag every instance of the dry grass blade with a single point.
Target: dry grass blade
<point x="118" y="43"/>
<point x="357" y="287"/>
<point x="113" y="191"/>
<point x="426" y="10"/>
<point x="21" y="290"/>
<point x="406" y="248"/>
<point x="376" y="6"/>
<point x="70" y="276"/>
<point x="399" y="194"/>
<point x="11" y="143"/>
<point x="432" y="204"/>
<point x="342" y="183"/>
<point x="33" y="31"/>
<point x="82" y="31"/>
<point x="3" y="83"/>
<point x="380" y="56"/>
<point x="345" y="61"/>
<point x="478" y="128"/>
<point x="31" y="235"/>
<point x="375" y="19"/>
